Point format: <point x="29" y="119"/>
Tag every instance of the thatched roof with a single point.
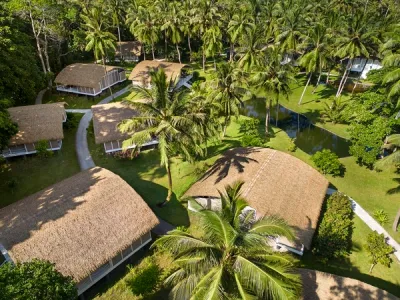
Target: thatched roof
<point x="129" y="48"/>
<point x="106" y="118"/>
<point x="37" y="122"/>
<point x="83" y="75"/>
<point x="141" y="72"/>
<point x="319" y="285"/>
<point x="275" y="183"/>
<point x="79" y="223"/>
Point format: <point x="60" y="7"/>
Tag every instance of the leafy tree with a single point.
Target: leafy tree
<point x="334" y="233"/>
<point x="251" y="48"/>
<point x="232" y="257"/>
<point x="172" y="26"/>
<point x="35" y="280"/>
<point x="327" y="162"/>
<point x="378" y="251"/>
<point x="7" y="127"/>
<point x="174" y="119"/>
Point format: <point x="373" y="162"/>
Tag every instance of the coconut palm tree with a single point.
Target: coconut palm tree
<point x="227" y="89"/>
<point x="187" y="26"/>
<point x="212" y="43"/>
<point x="274" y="78"/>
<point x="169" y="117"/>
<point x="117" y="10"/>
<point x="231" y="258"/>
<point x="317" y="49"/>
<point x="251" y="48"/>
<point x="172" y="26"/>
<point x="98" y="38"/>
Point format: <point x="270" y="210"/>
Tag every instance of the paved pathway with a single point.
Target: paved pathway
<point x="77" y="111"/>
<point x="374" y="225"/>
<point x="39" y="97"/>
<point x="163" y="227"/>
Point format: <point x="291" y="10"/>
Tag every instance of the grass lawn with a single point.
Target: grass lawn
<point x="81" y="102"/>
<point x="32" y="174"/>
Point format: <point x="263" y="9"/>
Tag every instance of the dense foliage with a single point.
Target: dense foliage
<point x="378" y="251"/>
<point x="327" y="162"/>
<point x="229" y="255"/>
<point x="35" y="280"/>
<point x="146" y="278"/>
<point x="251" y="135"/>
<point x="7" y="127"/>
<point x="333" y="239"/>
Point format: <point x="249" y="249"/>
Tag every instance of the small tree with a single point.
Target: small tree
<point x="35" y="280"/>
<point x="327" y="162"/>
<point x="378" y="251"/>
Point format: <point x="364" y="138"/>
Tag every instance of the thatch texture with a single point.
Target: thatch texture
<point x="141" y="72"/>
<point x="106" y="118"/>
<point x="83" y="75"/>
<point x="79" y="223"/>
<point x="131" y="48"/>
<point x="319" y="285"/>
<point x="37" y="122"/>
<point x="275" y="183"/>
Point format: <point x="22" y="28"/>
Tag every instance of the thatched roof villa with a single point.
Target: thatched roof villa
<point x="128" y="51"/>
<point x="36" y="123"/>
<point x="106" y="118"/>
<point x="86" y="224"/>
<point x="276" y="183"/>
<point x="175" y="72"/>
<point x="88" y="79"/>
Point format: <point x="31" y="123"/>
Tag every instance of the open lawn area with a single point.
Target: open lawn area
<point x="29" y="174"/>
<point x="81" y="102"/>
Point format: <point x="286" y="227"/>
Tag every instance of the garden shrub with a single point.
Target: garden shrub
<point x="72" y="121"/>
<point x="381" y="216"/>
<point x="333" y="239"/>
<point x="41" y="148"/>
<point x="251" y="136"/>
<point x="146" y="278"/>
<point x="327" y="162"/>
<point x="292" y="145"/>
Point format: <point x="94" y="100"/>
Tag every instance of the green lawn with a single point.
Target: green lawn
<point x="32" y="174"/>
<point x="81" y="102"/>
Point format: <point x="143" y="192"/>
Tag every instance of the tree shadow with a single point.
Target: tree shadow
<point x="396" y="189"/>
<point x="236" y="158"/>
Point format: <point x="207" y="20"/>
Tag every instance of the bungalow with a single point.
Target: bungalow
<point x="36" y="123"/>
<point x="106" y="118"/>
<point x="128" y="51"/>
<point x="86" y="225"/>
<point x="88" y="79"/>
<point x="275" y="183"/>
<point x="363" y="66"/>
<point x="178" y="73"/>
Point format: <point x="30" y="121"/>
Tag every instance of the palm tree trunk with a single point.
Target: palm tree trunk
<point x="232" y="49"/>
<point x="204" y="60"/>
<point x="165" y="44"/>
<point x="267" y="115"/>
<point x="119" y="40"/>
<point x="370" y="269"/>
<point x="327" y="76"/>
<point x="277" y="113"/>
<point x="169" y="182"/>
<point x="226" y="122"/>
<point x="319" y="78"/>
<point x="152" y="50"/>
<point x="215" y="64"/>
<point x="39" y="48"/>
<point x="359" y="77"/>
<point x="305" y="88"/>
<point x="144" y="52"/>
<point x="190" y="48"/>
<point x="179" y="53"/>
<point x="344" y="79"/>
<point x="105" y="74"/>
<point x="396" y="221"/>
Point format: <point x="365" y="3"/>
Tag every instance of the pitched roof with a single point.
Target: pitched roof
<point x="141" y="72"/>
<point x="83" y="75"/>
<point x="128" y="48"/>
<point x="275" y="183"/>
<point x="106" y="118"/>
<point x="79" y="223"/>
<point x="37" y="122"/>
<point x="319" y="285"/>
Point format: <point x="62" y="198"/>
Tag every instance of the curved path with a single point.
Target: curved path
<point x="39" y="97"/>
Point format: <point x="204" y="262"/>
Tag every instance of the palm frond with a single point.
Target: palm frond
<point x="272" y="226"/>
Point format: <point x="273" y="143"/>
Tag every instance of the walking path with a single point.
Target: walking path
<point x="40" y="96"/>
<point x="371" y="223"/>
<point x="77" y="110"/>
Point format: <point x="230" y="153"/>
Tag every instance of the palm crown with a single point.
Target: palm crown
<point x="231" y="258"/>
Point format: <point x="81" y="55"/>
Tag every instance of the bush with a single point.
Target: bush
<point x="146" y="278"/>
<point x="41" y="148"/>
<point x="333" y="239"/>
<point x="292" y="145"/>
<point x="381" y="216"/>
<point x="327" y="162"/>
<point x="251" y="136"/>
<point x="72" y="121"/>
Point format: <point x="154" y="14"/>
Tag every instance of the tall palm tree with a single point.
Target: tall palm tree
<point x="143" y="26"/>
<point x="251" y="48"/>
<point x="170" y="118"/>
<point x="231" y="258"/>
<point x="212" y="43"/>
<point x="117" y="10"/>
<point x="98" y="38"/>
<point x="317" y="49"/>
<point x="187" y="26"/>
<point x="172" y="26"/>
<point x="274" y="78"/>
<point x="227" y="89"/>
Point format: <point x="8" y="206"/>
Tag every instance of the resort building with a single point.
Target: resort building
<point x="86" y="225"/>
<point x="128" y="51"/>
<point x="43" y="122"/>
<point x="106" y="118"/>
<point x="363" y="66"/>
<point x="88" y="79"/>
<point x="275" y="183"/>
<point x="177" y="73"/>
